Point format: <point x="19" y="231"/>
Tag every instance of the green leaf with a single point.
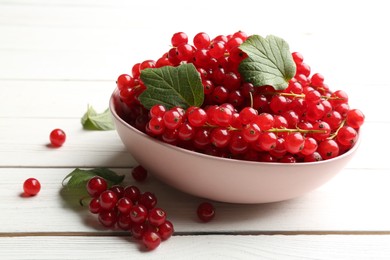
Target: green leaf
<point x="91" y="120"/>
<point x="269" y="62"/>
<point x="78" y="178"/>
<point x="172" y="86"/>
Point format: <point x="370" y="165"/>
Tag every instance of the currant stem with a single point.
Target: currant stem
<point x="299" y="95"/>
<point x="296" y="130"/>
<point x="332" y="136"/>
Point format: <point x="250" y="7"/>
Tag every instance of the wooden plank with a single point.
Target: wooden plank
<point x="193" y="247"/>
<point x="26" y="142"/>
<point x="352" y="202"/>
<point x="55" y="50"/>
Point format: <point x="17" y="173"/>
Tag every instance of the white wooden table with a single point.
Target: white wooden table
<point x="56" y="57"/>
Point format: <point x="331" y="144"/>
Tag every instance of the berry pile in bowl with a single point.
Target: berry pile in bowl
<point x="235" y="118"/>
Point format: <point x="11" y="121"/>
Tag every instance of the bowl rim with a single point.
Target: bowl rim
<point x="206" y="156"/>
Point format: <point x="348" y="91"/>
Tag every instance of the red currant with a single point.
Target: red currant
<point x="31" y="186"/>
<point x="108" y="200"/>
<point x="157" y="216"/>
<point x="57" y="137"/>
<point x="166" y="230"/>
<point x="151" y="239"/>
<point x="139" y="173"/>
<point x="96" y="185"/>
<point x="206" y="211"/>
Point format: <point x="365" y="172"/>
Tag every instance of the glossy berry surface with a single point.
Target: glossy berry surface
<point x="31" y="186"/>
<point x="96" y="185"/>
<point x="139" y="173"/>
<point x="129" y="209"/>
<point x="237" y="119"/>
<point x="151" y="240"/>
<point x="57" y="137"/>
<point x="205" y="211"/>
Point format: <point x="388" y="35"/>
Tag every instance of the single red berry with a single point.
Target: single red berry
<point x="166" y="230"/>
<point x="107" y="218"/>
<point x="139" y="173"/>
<point x="355" y="118"/>
<point x="96" y="185"/>
<point x="151" y="239"/>
<point x="31" y="186"/>
<point x="94" y="206"/>
<point x="179" y="38"/>
<point x="157" y="216"/>
<point x="138" y="214"/>
<point x="206" y="211"/>
<point x="148" y="199"/>
<point x="57" y="137"/>
<point x="108" y="200"/>
<point x="132" y="192"/>
<point x="124" y="222"/>
<point x="118" y="189"/>
<point x="138" y="230"/>
<point x="124" y="205"/>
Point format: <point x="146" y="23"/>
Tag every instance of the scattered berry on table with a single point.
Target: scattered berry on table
<point x="31" y="186"/>
<point x="139" y="173"/>
<point x="205" y="211"/>
<point x="57" y="137"/>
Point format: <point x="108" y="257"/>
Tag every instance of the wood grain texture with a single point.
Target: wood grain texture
<point x="351" y="202"/>
<point x="56" y="57"/>
<point x="201" y="247"/>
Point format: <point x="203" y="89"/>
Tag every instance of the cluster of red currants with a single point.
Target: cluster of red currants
<point x="303" y="123"/>
<point x="131" y="210"/>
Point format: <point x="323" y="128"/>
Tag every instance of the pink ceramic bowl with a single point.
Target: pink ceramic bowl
<point x="226" y="180"/>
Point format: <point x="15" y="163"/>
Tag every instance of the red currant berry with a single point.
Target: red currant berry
<point x="355" y="118"/>
<point x="118" y="189"/>
<point x="201" y="40"/>
<point x="157" y="216"/>
<point x="179" y="38"/>
<point x="148" y="199"/>
<point x="139" y="173"/>
<point x="294" y="142"/>
<point x="31" y="186"/>
<point x="138" y="230"/>
<point x="133" y="193"/>
<point x="247" y="115"/>
<point x="317" y="80"/>
<point x="57" y="137"/>
<point x="108" y="218"/>
<point x="108" y="200"/>
<point x="166" y="230"/>
<point x="138" y="214"/>
<point x="172" y="119"/>
<point x="328" y="149"/>
<point x="124" y="221"/>
<point x="124" y="205"/>
<point x="151" y="239"/>
<point x="157" y="111"/>
<point x="96" y="185"/>
<point x="94" y="206"/>
<point x="206" y="211"/>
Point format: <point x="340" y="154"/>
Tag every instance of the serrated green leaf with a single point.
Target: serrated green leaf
<point x="172" y="86"/>
<point x="269" y="62"/>
<point x="91" y="120"/>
